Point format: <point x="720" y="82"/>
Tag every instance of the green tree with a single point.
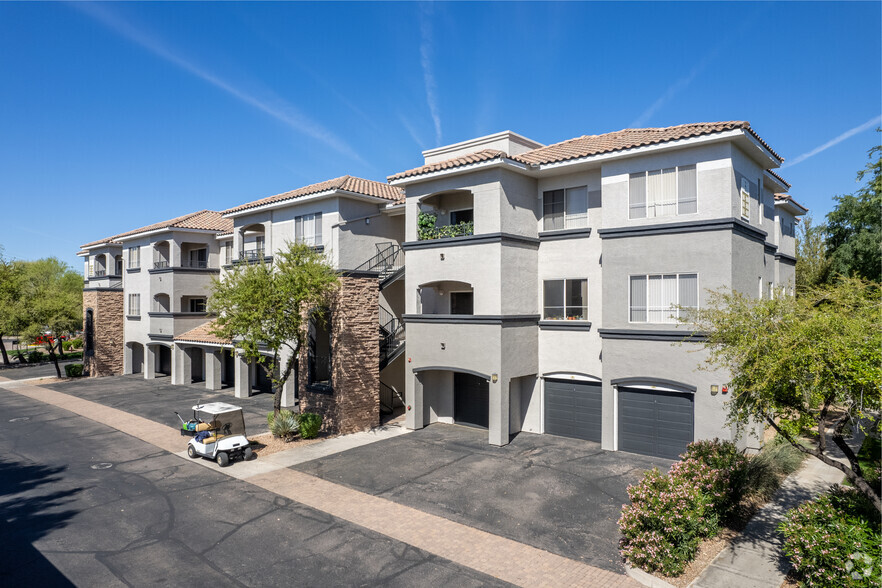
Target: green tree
<point x="52" y="303"/>
<point x="854" y="226"/>
<point x="11" y="318"/>
<point x="798" y="363"/>
<point x="812" y="264"/>
<point x="266" y="307"/>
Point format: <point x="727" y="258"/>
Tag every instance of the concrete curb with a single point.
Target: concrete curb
<point x="646" y="578"/>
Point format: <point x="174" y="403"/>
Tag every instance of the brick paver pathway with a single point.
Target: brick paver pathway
<point x="484" y="552"/>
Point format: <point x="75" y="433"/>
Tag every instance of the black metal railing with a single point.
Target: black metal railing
<point x="160" y="264"/>
<point x="251" y="255"/>
<point x="388" y="259"/>
<point x="196" y="263"/>
<point x="391" y="335"/>
<point x="99" y="273"/>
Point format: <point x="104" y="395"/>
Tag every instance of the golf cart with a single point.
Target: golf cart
<point x="219" y="433"/>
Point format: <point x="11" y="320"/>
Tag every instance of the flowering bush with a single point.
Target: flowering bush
<point x="834" y="540"/>
<point x="731" y="465"/>
<point x="669" y="514"/>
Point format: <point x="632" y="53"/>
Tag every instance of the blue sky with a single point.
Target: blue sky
<point x="114" y="116"/>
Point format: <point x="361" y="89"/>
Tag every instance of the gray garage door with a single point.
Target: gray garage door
<point x="654" y="423"/>
<point x="471" y="400"/>
<point x="572" y="409"/>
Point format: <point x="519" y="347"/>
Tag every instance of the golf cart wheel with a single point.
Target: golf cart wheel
<point x="191" y="451"/>
<point x="248" y="453"/>
<point x="222" y="459"/>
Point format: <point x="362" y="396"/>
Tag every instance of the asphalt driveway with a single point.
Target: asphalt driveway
<point x="158" y="399"/>
<point x="557" y="494"/>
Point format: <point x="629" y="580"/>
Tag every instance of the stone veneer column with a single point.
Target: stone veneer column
<point x="108" y="336"/>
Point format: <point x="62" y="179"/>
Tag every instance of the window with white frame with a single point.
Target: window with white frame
<point x="308" y="229"/>
<point x="565" y="300"/>
<point x="134" y="257"/>
<point x="663" y="192"/>
<point x="134" y="305"/>
<point x="565" y="208"/>
<point x="745" y="199"/>
<point x="662" y="298"/>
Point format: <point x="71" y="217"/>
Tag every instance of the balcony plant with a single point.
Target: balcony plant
<point x="427" y="229"/>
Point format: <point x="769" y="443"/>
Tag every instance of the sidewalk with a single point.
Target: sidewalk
<point x="755" y="559"/>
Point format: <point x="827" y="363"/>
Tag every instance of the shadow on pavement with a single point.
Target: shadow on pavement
<point x="24" y="520"/>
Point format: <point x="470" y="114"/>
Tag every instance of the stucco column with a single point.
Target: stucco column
<point x="181" y="365"/>
<point x="127" y="359"/>
<point x="499" y="411"/>
<point x="213" y="369"/>
<point x="289" y="390"/>
<point x="243" y="376"/>
<point x="149" y="362"/>
<point x="413" y="396"/>
<point x="268" y="238"/>
<point x="174" y="253"/>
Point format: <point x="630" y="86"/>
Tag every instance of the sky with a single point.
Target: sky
<point x="118" y="115"/>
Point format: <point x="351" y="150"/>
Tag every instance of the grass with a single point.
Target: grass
<point x="767" y="469"/>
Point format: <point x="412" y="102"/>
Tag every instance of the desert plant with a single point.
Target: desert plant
<point x="834" y="540"/>
<point x="310" y="424"/>
<point x="73" y="370"/>
<point x="72" y="344"/>
<point x="767" y="469"/>
<point x="285" y="425"/>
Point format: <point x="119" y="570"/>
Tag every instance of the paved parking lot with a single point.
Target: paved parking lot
<point x="82" y="504"/>
<point x="561" y="495"/>
<point x="158" y="399"/>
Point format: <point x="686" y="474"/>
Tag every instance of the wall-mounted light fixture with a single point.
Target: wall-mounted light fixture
<point x="443" y="347"/>
<point x="715" y="389"/>
<point x="494" y="378"/>
<point x="442" y="257"/>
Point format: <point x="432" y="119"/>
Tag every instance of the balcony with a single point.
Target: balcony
<point x="427" y="228"/>
<point x="161" y="264"/>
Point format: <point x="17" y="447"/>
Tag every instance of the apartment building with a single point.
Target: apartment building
<point x="151" y="317"/>
<point x="543" y="283"/>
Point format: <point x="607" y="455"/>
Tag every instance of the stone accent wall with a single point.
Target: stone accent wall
<point x="107" y="320"/>
<point x="354" y="402"/>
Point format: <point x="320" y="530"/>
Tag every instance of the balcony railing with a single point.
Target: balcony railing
<point x="161" y="264"/>
<point x="99" y="273"/>
<point x="251" y="255"/>
<point x="427" y="229"/>
<point x="194" y="263"/>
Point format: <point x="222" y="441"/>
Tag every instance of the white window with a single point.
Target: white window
<point x="745" y="199"/>
<point x="134" y="257"/>
<point x="662" y="298"/>
<point x="565" y="300"/>
<point x="760" y="195"/>
<point x="565" y="209"/>
<point x="134" y="305"/>
<point x="663" y="192"/>
<point x="308" y="229"/>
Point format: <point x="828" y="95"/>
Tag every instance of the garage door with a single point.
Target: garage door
<point x="572" y="409"/>
<point x="654" y="423"/>
<point x="471" y="400"/>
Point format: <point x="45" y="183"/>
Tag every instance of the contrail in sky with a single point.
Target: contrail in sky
<point x="426" y="48"/>
<point x="282" y="111"/>
<point x="860" y="128"/>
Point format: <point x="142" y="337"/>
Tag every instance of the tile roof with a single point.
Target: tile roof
<point x="203" y="334"/>
<point x="588" y="145"/>
<point x="204" y="219"/>
<point x="98" y="242"/>
<point x="788" y="198"/>
<point x="345" y="183"/>
<point x="779" y="178"/>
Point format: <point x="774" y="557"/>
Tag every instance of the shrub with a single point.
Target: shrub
<point x="310" y="423"/>
<point x="285" y="426"/>
<point x="765" y="470"/>
<point x="834" y="540"/>
<point x="732" y="464"/>
<point x="72" y="344"/>
<point x="73" y="370"/>
<point x="35" y="356"/>
<point x="668" y="516"/>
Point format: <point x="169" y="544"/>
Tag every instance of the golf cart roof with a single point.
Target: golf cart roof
<point x="216" y="408"/>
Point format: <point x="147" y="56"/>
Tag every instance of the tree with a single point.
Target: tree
<point x="812" y="264"/>
<point x="854" y="226"/>
<point x="264" y="307"/>
<point x="52" y="303"/>
<point x="10" y="300"/>
<point x="798" y="363"/>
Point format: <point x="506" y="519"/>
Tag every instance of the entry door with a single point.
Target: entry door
<point x="573" y="409"/>
<point x="471" y="400"/>
<point x="165" y="360"/>
<point x="655" y="423"/>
